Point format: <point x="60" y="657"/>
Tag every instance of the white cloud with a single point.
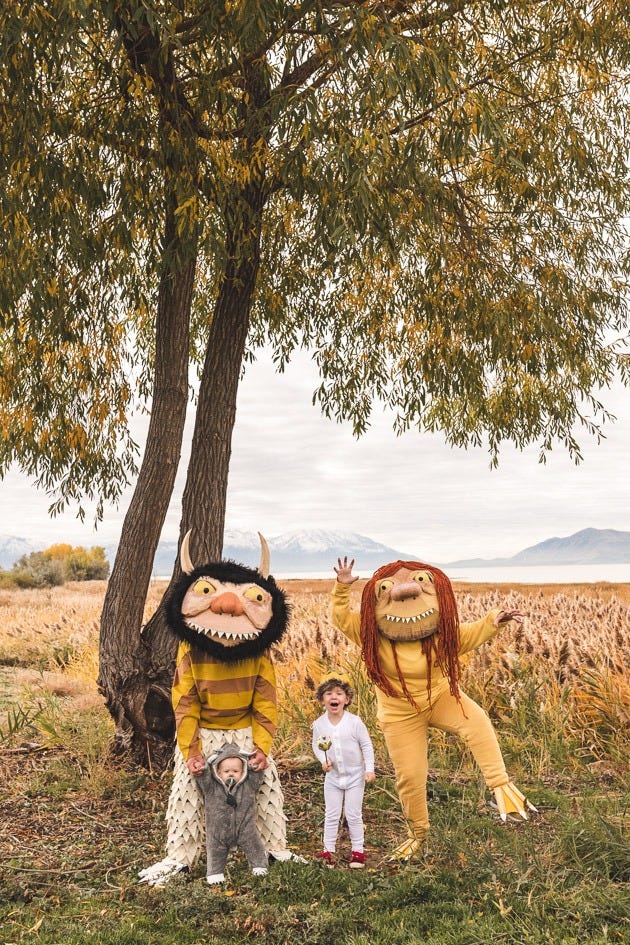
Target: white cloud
<point x="293" y="469"/>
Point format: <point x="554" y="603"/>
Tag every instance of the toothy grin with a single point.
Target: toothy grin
<point x="221" y="634"/>
<point x="427" y="613"/>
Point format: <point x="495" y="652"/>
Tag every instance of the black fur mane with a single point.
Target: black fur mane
<point x="233" y="573"/>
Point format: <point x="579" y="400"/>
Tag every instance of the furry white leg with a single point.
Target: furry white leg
<point x="160" y="873"/>
<point x="283" y="856"/>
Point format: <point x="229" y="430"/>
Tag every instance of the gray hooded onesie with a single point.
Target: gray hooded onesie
<point x="231" y="812"/>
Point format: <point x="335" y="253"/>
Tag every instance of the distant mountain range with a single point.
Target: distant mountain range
<point x="589" y="546"/>
<point x="313" y="551"/>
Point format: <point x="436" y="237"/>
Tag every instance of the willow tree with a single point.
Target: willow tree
<point x="428" y="195"/>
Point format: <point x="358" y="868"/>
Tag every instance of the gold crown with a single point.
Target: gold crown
<point x="340" y="676"/>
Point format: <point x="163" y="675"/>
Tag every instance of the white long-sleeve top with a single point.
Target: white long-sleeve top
<point x="351" y="751"/>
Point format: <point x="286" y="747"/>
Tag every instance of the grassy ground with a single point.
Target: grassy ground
<point x="75" y="828"/>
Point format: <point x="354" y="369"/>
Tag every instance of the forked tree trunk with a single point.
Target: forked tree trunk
<point x="204" y="499"/>
<point x="134" y="677"/>
<point x="137" y="670"/>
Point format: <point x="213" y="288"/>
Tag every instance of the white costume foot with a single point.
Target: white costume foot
<point x="259" y="871"/>
<point x="214" y="879"/>
<point x="160" y="873"/>
<point x="283" y="856"/>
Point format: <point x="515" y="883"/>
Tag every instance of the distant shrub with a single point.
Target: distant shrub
<point x="82" y="565"/>
<point x="38" y="570"/>
<point x="55" y="566"/>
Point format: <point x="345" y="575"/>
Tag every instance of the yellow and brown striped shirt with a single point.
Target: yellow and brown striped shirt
<point x="210" y="694"/>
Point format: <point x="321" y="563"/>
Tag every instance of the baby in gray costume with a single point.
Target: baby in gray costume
<point x="229" y="787"/>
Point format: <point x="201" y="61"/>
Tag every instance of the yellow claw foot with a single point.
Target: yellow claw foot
<point x="410" y="848"/>
<point x="510" y="801"/>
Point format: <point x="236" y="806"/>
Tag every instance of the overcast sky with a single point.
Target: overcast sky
<point x="292" y="470"/>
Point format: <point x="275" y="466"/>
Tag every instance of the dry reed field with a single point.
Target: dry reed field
<point x="574" y="648"/>
<point x="76" y="825"/>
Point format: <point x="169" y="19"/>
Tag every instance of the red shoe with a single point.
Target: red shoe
<point x="357" y="860"/>
<point x="326" y="857"/>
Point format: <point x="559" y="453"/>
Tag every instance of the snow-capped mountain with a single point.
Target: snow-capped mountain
<point x="12" y="548"/>
<point x="309" y="551"/>
<point x="319" y="541"/>
<point x="301" y="552"/>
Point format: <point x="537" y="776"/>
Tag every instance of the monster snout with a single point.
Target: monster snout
<point x="405" y="591"/>
<point x="227" y="603"/>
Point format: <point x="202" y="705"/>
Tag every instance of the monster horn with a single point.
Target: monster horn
<point x="263" y="567"/>
<point x="184" y="555"/>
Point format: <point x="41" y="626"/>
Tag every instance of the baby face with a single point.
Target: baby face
<point x="230" y="768"/>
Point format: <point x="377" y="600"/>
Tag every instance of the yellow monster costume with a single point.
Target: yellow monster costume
<point x="226" y="617"/>
<point x="411" y="642"/>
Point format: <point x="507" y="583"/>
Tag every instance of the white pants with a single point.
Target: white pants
<point x="350" y="800"/>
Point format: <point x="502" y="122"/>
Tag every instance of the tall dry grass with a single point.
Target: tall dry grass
<point x="564" y="670"/>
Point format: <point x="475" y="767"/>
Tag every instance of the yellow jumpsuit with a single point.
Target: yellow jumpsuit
<point x="405" y="729"/>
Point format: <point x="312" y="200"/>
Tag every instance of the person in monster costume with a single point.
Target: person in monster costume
<point x="226" y="617"/>
<point x="411" y="642"/>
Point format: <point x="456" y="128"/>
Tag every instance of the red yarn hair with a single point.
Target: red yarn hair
<point x="443" y="645"/>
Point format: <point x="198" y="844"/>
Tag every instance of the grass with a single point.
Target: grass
<point x="75" y="828"/>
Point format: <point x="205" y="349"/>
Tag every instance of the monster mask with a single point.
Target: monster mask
<point x="228" y="610"/>
<point x="404" y="602"/>
<point x="406" y="605"/>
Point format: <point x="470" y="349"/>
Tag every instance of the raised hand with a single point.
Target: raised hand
<point x="344" y="571"/>
<point x="504" y="616"/>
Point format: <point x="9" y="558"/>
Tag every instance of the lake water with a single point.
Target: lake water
<point x="533" y="574"/>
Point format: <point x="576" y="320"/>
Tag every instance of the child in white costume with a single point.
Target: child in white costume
<point x="343" y="746"/>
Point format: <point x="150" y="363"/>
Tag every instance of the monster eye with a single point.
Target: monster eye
<point x="255" y="594"/>
<point x="383" y="586"/>
<point x="203" y="587"/>
<point x="422" y="577"/>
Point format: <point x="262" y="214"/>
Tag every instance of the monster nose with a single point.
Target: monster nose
<point x="404" y="591"/>
<point x="227" y="603"/>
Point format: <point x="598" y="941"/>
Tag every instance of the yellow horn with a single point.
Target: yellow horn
<point x="263" y="567"/>
<point x="184" y="555"/>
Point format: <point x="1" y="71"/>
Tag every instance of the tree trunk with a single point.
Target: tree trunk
<point x="134" y="670"/>
<point x="203" y="503"/>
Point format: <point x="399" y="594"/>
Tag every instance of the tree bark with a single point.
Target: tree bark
<point x="204" y="499"/>
<point x="135" y="672"/>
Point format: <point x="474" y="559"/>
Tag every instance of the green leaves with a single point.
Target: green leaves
<point x="437" y="196"/>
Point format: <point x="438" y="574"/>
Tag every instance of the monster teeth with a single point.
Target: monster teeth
<point x="427" y="613"/>
<point x="221" y="634"/>
<point x="230" y="635"/>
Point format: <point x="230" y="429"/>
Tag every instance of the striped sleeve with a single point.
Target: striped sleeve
<point x="186" y="704"/>
<point x="264" y="706"/>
